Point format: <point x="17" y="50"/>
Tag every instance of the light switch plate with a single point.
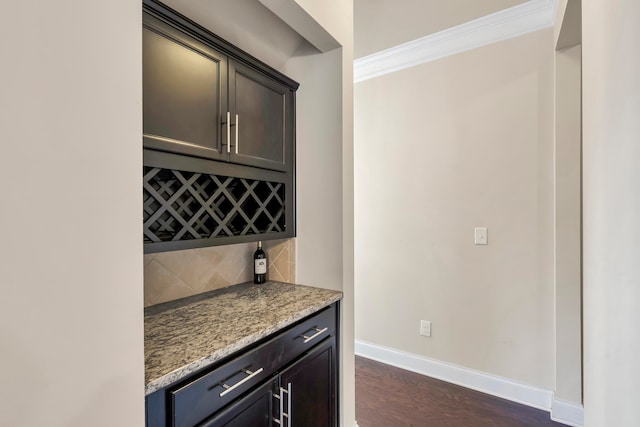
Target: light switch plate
<point x="481" y="236"/>
<point x="425" y="328"/>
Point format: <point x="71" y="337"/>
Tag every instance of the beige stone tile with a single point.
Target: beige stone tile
<point x="274" y="248"/>
<point x="197" y="271"/>
<point x="148" y="258"/>
<point x="157" y="280"/>
<point x="245" y="274"/>
<point x="235" y="260"/>
<point x="281" y="265"/>
<point x="148" y="301"/>
<point x="214" y="255"/>
<point x="292" y="272"/>
<point x="171" y="275"/>
<point x="275" y="276"/>
<point x="178" y="289"/>
<point x="292" y="250"/>
<point x="216" y="281"/>
<point x="175" y="261"/>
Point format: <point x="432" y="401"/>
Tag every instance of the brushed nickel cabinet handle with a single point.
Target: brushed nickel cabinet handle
<point x="289" y="414"/>
<point x="229" y="389"/>
<point x="228" y="132"/>
<point x="318" y="332"/>
<point x="280" y="421"/>
<point x="280" y="397"/>
<point x="237" y="140"/>
<point x="281" y="406"/>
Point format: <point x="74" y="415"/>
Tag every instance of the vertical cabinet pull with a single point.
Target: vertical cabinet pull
<point x="283" y="414"/>
<point x="281" y="407"/>
<point x="237" y="140"/>
<point x="228" y="132"/>
<point x="289" y="414"/>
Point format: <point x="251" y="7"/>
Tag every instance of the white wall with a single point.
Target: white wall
<point x="319" y="164"/>
<point x="320" y="193"/>
<point x="72" y="332"/>
<point x="611" y="111"/>
<point x="442" y="148"/>
<point x="568" y="230"/>
<point x="568" y="202"/>
<point x="561" y="8"/>
<point x="71" y="326"/>
<point x="325" y="175"/>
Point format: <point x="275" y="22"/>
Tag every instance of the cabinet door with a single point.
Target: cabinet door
<point x="254" y="410"/>
<point x="262" y="114"/>
<point x="311" y="382"/>
<point x="184" y="92"/>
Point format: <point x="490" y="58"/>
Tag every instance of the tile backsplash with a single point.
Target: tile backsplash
<point x="179" y="274"/>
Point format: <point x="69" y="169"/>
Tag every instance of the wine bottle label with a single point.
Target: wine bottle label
<point x="261" y="266"/>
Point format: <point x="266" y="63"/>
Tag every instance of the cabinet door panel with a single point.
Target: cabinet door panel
<point x="254" y="410"/>
<point x="184" y="92"/>
<point x="313" y="387"/>
<point x="264" y="126"/>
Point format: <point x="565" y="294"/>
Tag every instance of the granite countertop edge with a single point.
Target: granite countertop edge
<point x="184" y="371"/>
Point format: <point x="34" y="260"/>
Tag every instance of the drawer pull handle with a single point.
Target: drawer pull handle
<point x="318" y="332"/>
<point x="229" y="389"/>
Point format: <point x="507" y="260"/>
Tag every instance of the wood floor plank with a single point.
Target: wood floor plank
<point x="387" y="396"/>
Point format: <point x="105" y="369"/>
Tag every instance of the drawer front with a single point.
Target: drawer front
<point x="202" y="397"/>
<point x="253" y="410"/>
<point x="307" y="334"/>
<point x="199" y="399"/>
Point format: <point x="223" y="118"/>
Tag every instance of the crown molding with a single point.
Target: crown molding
<point x="515" y="21"/>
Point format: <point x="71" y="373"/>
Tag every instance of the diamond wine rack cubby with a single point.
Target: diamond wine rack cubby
<point x="188" y="206"/>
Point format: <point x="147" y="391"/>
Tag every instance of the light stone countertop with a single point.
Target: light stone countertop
<point x="186" y="335"/>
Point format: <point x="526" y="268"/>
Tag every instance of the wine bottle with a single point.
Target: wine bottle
<point x="259" y="265"/>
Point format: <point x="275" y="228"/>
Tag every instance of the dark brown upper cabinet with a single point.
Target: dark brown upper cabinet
<point x="184" y="92"/>
<point x="218" y="136"/>
<point x="199" y="100"/>
<point x="262" y="115"/>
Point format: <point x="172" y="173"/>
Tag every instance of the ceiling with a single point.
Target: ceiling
<point x="246" y="23"/>
<point x="381" y="24"/>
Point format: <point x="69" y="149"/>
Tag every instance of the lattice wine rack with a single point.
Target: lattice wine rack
<point x="181" y="205"/>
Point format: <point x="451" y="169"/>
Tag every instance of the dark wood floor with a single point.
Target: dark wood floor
<point x="391" y="397"/>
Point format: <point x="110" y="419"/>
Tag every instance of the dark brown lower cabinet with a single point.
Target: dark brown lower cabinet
<point x="256" y="410"/>
<point x="310" y="382"/>
<point x="303" y="395"/>
<point x="289" y="380"/>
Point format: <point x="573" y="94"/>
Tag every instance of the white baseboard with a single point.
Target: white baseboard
<point x="525" y="394"/>
<point x="567" y="413"/>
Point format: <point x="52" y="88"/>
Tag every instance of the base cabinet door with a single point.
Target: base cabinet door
<point x="254" y="410"/>
<point x="310" y="384"/>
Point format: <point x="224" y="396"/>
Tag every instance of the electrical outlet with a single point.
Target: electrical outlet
<point x="481" y="235"/>
<point x="425" y="328"/>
